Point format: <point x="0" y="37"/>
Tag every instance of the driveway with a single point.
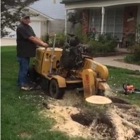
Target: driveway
<point x="8" y="42"/>
<point x="116" y="61"/>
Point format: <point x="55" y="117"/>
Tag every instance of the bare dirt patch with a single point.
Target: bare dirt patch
<point x="118" y="121"/>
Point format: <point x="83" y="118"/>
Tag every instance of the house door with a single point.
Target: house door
<point x="129" y="23"/>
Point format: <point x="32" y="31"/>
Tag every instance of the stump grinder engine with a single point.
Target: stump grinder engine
<point x="60" y="69"/>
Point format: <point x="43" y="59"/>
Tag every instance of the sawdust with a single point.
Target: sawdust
<point x="62" y="110"/>
<point x="73" y="117"/>
<point x="62" y="115"/>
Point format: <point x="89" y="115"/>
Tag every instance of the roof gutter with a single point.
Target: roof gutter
<point x="74" y="1"/>
<point x="36" y="11"/>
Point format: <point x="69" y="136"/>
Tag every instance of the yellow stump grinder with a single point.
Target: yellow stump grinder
<point x="68" y="67"/>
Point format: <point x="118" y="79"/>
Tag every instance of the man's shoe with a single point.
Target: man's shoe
<point x="26" y="88"/>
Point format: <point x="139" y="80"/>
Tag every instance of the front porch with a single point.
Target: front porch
<point x="118" y="18"/>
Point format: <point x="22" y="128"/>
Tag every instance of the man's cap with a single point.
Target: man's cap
<point x="24" y="15"/>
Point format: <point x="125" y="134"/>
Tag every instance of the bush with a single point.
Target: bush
<point x="130" y="58"/>
<point x="135" y="56"/>
<point x="83" y="37"/>
<point x="60" y="40"/>
<point x="104" y="44"/>
<point x="97" y="43"/>
<point x="45" y="38"/>
<point x="134" y="48"/>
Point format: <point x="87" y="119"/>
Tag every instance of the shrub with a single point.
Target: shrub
<point x="135" y="56"/>
<point x="104" y="44"/>
<point x="45" y="38"/>
<point x="134" y="48"/>
<point x="83" y="37"/>
<point x="60" y="40"/>
<point x="131" y="58"/>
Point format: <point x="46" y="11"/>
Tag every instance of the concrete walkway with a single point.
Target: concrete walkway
<point x="116" y="62"/>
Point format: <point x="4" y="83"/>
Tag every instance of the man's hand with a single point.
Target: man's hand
<point x="44" y="44"/>
<point x="38" y="41"/>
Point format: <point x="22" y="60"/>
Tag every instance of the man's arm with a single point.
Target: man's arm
<point x="37" y="41"/>
<point x="38" y="38"/>
<point x="28" y="35"/>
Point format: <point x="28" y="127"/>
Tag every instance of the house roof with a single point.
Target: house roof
<point x="75" y="4"/>
<point x="52" y="9"/>
<point x="73" y="1"/>
<point x="40" y="13"/>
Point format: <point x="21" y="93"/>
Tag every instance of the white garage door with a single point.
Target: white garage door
<point x="36" y="25"/>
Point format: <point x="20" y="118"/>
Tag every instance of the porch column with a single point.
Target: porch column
<point x="102" y="24"/>
<point x="65" y="30"/>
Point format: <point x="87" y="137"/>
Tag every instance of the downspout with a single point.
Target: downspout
<point x="102" y="24"/>
<point x="47" y="26"/>
<point x="65" y="30"/>
<point x="47" y="35"/>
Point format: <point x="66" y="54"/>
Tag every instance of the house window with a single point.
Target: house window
<point x="96" y="20"/>
<point x="113" y="23"/>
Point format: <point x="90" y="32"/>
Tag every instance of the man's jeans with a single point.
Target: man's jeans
<point x="23" y="69"/>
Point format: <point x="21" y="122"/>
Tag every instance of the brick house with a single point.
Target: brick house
<point x="116" y="17"/>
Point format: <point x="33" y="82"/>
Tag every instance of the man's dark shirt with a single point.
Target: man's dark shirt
<point x="25" y="47"/>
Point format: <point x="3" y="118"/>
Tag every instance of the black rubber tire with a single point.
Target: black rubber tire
<point x="55" y="91"/>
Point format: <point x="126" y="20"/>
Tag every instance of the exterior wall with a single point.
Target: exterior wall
<point x="138" y="15"/>
<point x="138" y="22"/>
<point x="129" y="23"/>
<point x="130" y="19"/>
<point x="56" y="26"/>
<point x="85" y="21"/>
<point x="44" y="26"/>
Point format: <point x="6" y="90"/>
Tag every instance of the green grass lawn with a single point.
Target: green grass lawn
<point x="20" y="118"/>
<point x="117" y="77"/>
